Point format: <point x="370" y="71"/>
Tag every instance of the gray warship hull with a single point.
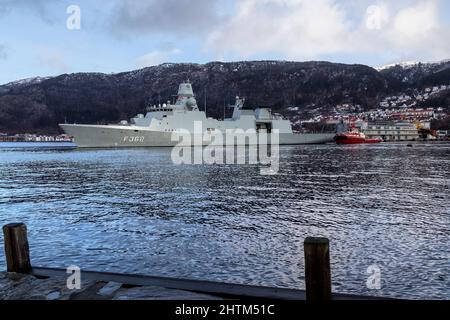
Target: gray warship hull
<point x="183" y="123"/>
<point x="96" y="136"/>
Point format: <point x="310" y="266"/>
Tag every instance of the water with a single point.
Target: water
<point x="134" y="211"/>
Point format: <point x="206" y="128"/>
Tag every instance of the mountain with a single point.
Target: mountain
<point x="411" y="78"/>
<point x="290" y="88"/>
<point x="419" y="74"/>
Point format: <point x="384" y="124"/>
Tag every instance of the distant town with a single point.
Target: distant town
<point x="398" y="118"/>
<point x="4" y="137"/>
<point x="396" y="124"/>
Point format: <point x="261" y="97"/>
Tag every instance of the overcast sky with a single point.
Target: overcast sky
<point x="42" y="38"/>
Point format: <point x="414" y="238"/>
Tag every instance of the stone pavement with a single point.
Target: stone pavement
<point x="14" y="286"/>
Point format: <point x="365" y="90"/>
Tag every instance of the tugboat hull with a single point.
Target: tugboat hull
<point x="354" y="138"/>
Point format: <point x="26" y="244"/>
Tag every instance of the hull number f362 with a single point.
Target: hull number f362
<point x="135" y="139"/>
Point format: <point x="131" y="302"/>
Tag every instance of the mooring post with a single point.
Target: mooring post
<point x="16" y="248"/>
<point x="317" y="269"/>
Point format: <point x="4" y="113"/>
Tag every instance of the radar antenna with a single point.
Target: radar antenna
<point x="205" y="100"/>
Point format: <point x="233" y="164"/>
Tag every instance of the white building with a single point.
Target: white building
<point x="393" y="131"/>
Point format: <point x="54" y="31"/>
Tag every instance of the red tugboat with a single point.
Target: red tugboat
<point x="355" y="137"/>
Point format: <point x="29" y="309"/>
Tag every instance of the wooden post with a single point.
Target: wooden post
<point x="16" y="248"/>
<point x="317" y="269"/>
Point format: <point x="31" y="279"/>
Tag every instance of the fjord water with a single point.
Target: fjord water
<point x="134" y="211"/>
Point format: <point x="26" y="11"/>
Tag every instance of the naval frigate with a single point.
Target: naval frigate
<point x="161" y="123"/>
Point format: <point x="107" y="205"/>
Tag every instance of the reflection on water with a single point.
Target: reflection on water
<point x="134" y="211"/>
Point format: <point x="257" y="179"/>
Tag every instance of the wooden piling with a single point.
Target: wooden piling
<point x="317" y="269"/>
<point x="16" y="248"/>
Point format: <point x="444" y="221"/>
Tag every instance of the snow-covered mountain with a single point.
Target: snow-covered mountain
<point x="28" y="81"/>
<point x="415" y="72"/>
<point x="290" y="88"/>
<point x="404" y="65"/>
<point x="412" y="64"/>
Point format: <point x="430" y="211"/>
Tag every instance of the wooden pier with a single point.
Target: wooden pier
<point x="24" y="281"/>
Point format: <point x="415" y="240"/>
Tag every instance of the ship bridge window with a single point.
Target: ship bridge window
<point x="264" y="127"/>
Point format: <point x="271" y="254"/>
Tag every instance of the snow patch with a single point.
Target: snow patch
<point x="27" y="81"/>
<point x="410" y="64"/>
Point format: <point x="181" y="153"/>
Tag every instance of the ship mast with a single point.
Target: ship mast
<point x="205" y="100"/>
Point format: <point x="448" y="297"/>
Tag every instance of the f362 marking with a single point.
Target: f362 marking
<point x="134" y="139"/>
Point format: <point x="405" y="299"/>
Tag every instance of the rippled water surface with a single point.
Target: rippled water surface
<point x="134" y="211"/>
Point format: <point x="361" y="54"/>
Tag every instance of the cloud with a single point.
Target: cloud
<point x="377" y="16"/>
<point x="38" y="7"/>
<point x="416" y="24"/>
<point x="175" y="17"/>
<point x="53" y="58"/>
<point x="3" y="52"/>
<point x="366" y="31"/>
<point x="156" y="57"/>
<point x="303" y="29"/>
<point x="299" y="29"/>
<point x="414" y="32"/>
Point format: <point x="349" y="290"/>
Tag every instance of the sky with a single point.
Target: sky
<point x="52" y="37"/>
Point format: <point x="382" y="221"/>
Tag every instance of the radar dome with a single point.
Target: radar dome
<point x="191" y="102"/>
